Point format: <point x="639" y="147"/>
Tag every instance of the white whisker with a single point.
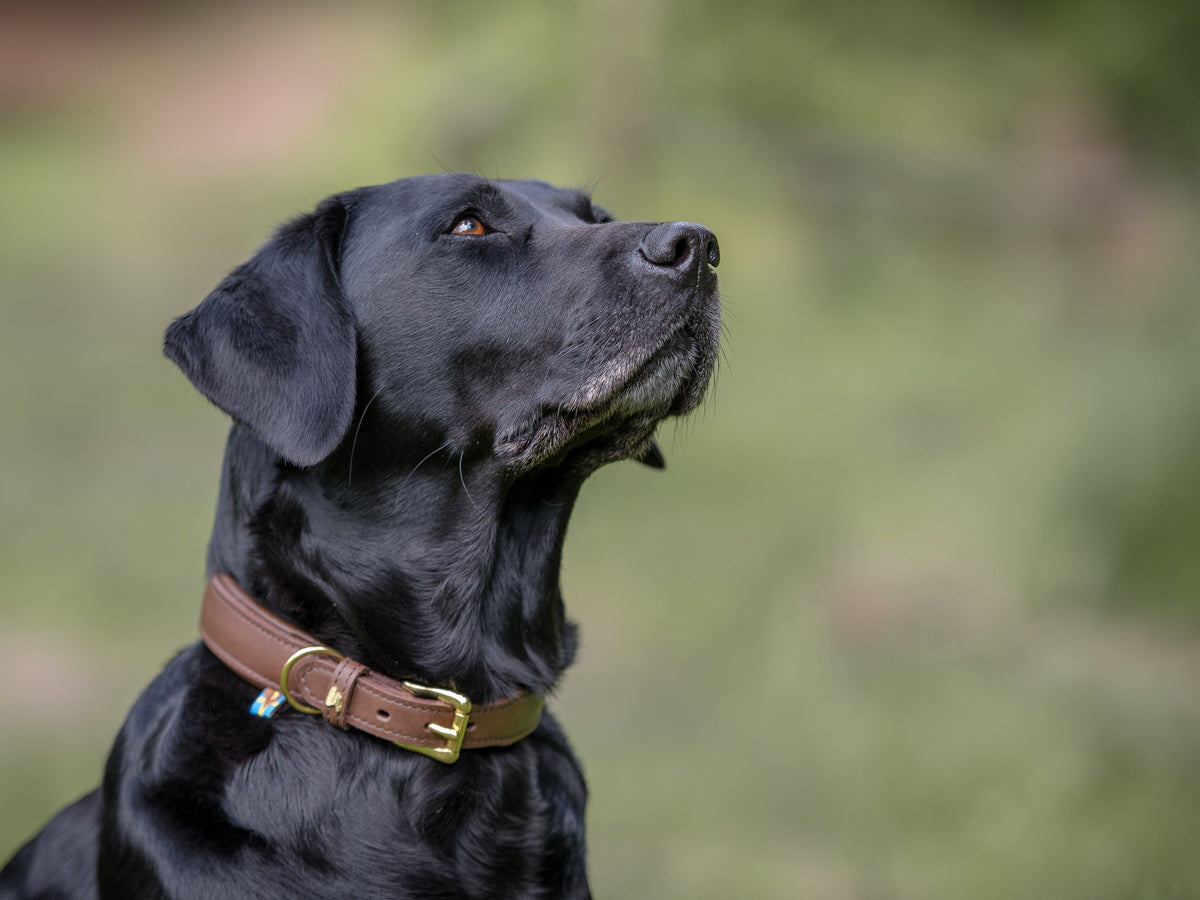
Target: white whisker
<point x="354" y="443"/>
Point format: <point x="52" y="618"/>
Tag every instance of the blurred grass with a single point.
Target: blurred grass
<point x="928" y="553"/>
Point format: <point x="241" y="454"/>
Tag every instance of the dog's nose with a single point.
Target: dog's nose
<point x="683" y="246"/>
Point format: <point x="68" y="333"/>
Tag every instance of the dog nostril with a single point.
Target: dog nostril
<point x="713" y="253"/>
<point x="681" y="246"/>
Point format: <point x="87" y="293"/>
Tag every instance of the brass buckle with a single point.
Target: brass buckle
<point x="287" y="670"/>
<point x="454" y="734"/>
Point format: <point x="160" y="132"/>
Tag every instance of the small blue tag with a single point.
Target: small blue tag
<point x="266" y="703"/>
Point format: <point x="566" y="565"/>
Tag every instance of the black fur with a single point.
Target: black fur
<point x="415" y="411"/>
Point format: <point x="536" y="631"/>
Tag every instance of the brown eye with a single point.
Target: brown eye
<point x="469" y="225"/>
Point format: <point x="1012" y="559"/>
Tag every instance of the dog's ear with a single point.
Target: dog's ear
<point x="651" y="455"/>
<point x="274" y="344"/>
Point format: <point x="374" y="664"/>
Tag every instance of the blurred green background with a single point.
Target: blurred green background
<point x="914" y="611"/>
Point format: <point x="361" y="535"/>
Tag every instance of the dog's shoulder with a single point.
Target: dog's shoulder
<point x="61" y="860"/>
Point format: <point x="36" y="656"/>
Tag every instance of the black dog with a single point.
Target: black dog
<point x="421" y="375"/>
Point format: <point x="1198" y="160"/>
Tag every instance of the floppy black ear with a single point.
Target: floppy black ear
<point x="274" y="344"/>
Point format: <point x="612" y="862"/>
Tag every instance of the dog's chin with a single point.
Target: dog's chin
<point x="616" y="412"/>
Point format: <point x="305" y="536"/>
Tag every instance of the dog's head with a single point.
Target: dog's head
<point x="509" y="320"/>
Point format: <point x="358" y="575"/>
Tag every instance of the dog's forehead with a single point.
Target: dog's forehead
<point x="419" y="195"/>
<point x="542" y="194"/>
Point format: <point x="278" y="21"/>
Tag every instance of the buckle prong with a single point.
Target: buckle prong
<point x="454" y="734"/>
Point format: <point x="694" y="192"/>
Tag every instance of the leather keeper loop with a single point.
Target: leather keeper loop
<point x="337" y="701"/>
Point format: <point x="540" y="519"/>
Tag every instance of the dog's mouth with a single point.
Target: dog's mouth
<point x="614" y="414"/>
<point x="675" y="373"/>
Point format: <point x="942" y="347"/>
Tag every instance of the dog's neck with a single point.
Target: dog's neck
<point x="448" y="574"/>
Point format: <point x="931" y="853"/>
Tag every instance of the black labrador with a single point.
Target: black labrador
<point x="421" y="376"/>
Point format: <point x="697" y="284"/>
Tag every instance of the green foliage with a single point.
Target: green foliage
<point x="1140" y="58"/>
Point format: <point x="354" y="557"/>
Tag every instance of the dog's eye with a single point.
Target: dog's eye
<point x="471" y="225"/>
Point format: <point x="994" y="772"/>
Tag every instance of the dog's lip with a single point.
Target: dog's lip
<point x="616" y="387"/>
<point x="629" y="390"/>
<point x="599" y="401"/>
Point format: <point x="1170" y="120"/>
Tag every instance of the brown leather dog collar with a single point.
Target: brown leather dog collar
<point x="269" y="653"/>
